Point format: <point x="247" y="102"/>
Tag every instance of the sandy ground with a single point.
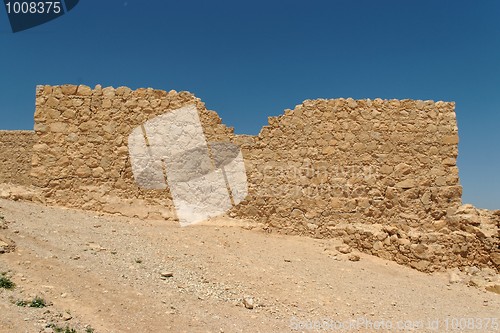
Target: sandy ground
<point x="104" y="273"/>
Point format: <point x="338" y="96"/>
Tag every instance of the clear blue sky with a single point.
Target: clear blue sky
<point x="250" y="60"/>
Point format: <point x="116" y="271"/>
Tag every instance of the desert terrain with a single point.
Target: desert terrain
<point x="104" y="273"/>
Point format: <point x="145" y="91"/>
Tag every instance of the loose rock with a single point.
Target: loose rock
<point x="166" y="274"/>
<point x="248" y="302"/>
<point x="344" y="249"/>
<point x="354" y="257"/>
<point x="454" y="278"/>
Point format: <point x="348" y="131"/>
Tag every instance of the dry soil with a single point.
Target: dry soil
<point x="106" y="273"/>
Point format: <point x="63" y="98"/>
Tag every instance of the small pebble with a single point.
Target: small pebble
<point x="354" y="257"/>
<point x="248" y="302"/>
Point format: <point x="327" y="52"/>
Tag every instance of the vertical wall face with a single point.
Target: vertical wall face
<point x="81" y="157"/>
<point x="334" y="161"/>
<point x="15" y="156"/>
<point x="324" y="163"/>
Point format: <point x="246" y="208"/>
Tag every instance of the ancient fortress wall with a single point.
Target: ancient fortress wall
<point x="323" y="163"/>
<point x="16" y="149"/>
<point x="343" y="161"/>
<point x="380" y="174"/>
<point x="81" y="158"/>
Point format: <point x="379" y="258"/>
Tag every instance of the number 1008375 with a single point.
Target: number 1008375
<point x="33" y="7"/>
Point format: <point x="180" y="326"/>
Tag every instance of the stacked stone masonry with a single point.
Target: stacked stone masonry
<point x="16" y="149"/>
<point x="380" y="174"/>
<point x="81" y="158"/>
<point x="333" y="161"/>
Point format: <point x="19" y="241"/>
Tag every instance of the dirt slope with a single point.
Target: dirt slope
<point x="113" y="274"/>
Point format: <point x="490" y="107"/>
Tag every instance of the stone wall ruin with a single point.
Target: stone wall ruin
<point x="380" y="174"/>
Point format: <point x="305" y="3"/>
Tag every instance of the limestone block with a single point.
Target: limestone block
<point x="450" y="139"/>
<point x="69" y="89"/>
<point x="406" y="184"/>
<point x="84" y="90"/>
<point x="83" y="171"/>
<point x="58" y="127"/>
